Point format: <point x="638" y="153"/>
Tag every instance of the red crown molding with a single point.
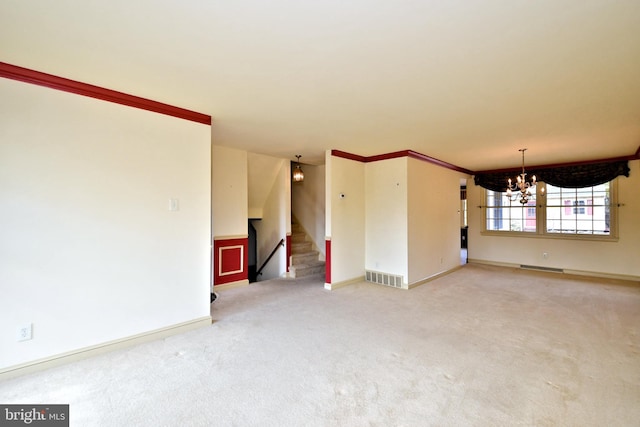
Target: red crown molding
<point x="26" y="75"/>
<point x="397" y="154"/>
<point x="428" y="159"/>
<point x="437" y="162"/>
<point x="349" y="156"/>
<point x="387" y="156"/>
<point x="567" y="164"/>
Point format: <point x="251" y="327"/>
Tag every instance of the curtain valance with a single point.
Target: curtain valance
<point x="566" y="176"/>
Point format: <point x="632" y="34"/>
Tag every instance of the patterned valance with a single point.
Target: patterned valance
<point x="566" y="176"/>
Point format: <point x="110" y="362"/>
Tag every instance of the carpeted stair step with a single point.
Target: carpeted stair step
<point x="298" y="237"/>
<point x="302" y="247"/>
<point x="310" y="269"/>
<point x="304" y="257"/>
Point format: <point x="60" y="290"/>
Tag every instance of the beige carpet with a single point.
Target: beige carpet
<point x="479" y="347"/>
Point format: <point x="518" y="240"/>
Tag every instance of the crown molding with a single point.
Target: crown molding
<point x="51" y="81"/>
<point x="397" y="154"/>
<point x="566" y="164"/>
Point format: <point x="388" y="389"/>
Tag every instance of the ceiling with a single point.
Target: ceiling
<point x="467" y="82"/>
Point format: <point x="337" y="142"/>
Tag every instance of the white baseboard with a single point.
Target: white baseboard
<point x="231" y="285"/>
<point x="587" y="274"/>
<point x="86" y="352"/>
<point x="434" y="277"/>
<point x="334" y="286"/>
<point x="610" y="276"/>
<point x="494" y="263"/>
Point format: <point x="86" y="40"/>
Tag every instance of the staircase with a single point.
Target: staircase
<point x="304" y="260"/>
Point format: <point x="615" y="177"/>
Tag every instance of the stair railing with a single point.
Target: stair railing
<point x="273" y="252"/>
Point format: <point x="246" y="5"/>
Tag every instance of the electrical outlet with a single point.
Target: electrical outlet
<point x="545" y="255"/>
<point x="25" y="332"/>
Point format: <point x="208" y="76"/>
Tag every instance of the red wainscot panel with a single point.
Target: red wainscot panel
<point x="230" y="260"/>
<point x="288" y="251"/>
<point x="327" y="249"/>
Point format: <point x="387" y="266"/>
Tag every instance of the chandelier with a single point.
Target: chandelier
<point x="298" y="175"/>
<point x="521" y="188"/>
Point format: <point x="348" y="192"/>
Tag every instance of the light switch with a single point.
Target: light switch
<point x="174" y="205"/>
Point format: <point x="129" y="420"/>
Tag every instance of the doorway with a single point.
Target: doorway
<point x="253" y="253"/>
<point x="464" y="226"/>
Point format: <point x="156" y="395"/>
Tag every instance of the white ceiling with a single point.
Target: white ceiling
<point x="468" y="82"/>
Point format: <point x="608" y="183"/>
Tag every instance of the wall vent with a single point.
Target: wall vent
<point x="537" y="267"/>
<point x="385" y="279"/>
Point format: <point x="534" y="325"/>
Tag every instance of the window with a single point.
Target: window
<point x="589" y="210"/>
<point x="463" y="206"/>
<point x="503" y="215"/>
<point x="556" y="211"/>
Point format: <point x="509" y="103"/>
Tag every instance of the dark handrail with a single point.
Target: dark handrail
<point x="273" y="252"/>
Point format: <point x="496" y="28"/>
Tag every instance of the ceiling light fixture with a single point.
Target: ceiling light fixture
<point x="522" y="188"/>
<point x="298" y="175"/>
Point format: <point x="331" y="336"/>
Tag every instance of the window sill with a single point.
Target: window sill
<point x="552" y="236"/>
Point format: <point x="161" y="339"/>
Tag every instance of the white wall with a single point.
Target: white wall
<point x="411" y="216"/>
<point x="308" y="204"/>
<point x="89" y="251"/>
<point x="610" y="258"/>
<point x="386" y="225"/>
<point x="434" y="220"/>
<point x="273" y="226"/>
<point x="229" y="192"/>
<point x="345" y="217"/>
<point x="262" y="172"/>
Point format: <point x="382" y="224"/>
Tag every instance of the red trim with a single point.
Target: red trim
<point x="327" y="260"/>
<point x="60" y="83"/>
<point x="428" y="159"/>
<point x="397" y="154"/>
<point x="288" y="251"/>
<point x="561" y="165"/>
<point x="349" y="156"/>
<point x="388" y="156"/>
<point x="230" y="260"/>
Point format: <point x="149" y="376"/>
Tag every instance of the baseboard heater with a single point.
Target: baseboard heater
<point x="385" y="279"/>
<point x="537" y="267"/>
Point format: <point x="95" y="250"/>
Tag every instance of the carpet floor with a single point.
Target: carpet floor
<point x="482" y="346"/>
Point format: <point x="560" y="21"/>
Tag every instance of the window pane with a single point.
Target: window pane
<point x="516" y="225"/>
<point x="578" y="211"/>
<point x="584" y="226"/>
<point x="584" y="190"/>
<point x="600" y="227"/>
<point x="505" y="215"/>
